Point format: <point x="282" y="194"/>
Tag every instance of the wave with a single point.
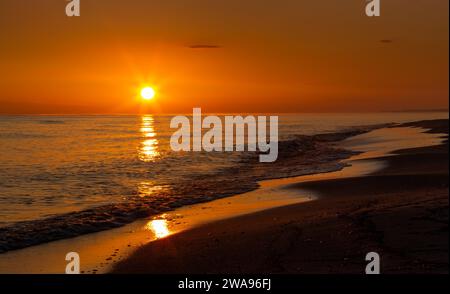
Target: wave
<point x="298" y="156"/>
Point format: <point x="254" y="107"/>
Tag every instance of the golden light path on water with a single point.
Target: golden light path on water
<point x="148" y="151"/>
<point x="150" y="188"/>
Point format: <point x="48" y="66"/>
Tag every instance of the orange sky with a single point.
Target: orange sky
<point x="262" y="56"/>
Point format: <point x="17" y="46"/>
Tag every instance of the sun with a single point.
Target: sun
<point x="148" y="93"/>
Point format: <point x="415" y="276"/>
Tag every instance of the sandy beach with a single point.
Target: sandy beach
<point x="399" y="211"/>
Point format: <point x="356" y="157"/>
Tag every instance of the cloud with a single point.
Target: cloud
<point x="204" y="46"/>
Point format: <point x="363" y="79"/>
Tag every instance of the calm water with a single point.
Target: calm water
<point x="109" y="167"/>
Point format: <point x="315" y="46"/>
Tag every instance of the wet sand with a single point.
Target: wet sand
<point x="399" y="211"/>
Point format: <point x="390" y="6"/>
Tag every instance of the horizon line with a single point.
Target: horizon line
<point x="235" y="113"/>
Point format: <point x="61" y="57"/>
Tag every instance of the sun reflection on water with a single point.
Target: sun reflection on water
<point x="159" y="228"/>
<point x="150" y="189"/>
<point x="148" y="151"/>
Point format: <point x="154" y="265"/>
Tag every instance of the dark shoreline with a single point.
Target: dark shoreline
<point x="400" y="212"/>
